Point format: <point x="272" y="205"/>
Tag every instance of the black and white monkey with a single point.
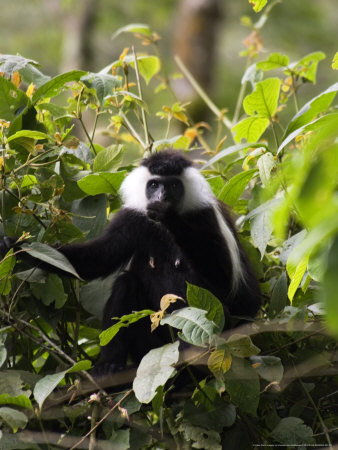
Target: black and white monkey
<point x="170" y="230"/>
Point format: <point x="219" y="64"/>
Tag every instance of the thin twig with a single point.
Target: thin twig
<point x="220" y="115"/>
<point x="132" y="130"/>
<point x="144" y="118"/>
<point x="102" y="420"/>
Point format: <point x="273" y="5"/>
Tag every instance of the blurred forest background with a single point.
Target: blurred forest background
<point x="207" y="34"/>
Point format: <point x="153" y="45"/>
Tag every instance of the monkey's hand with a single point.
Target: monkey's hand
<point x="157" y="211"/>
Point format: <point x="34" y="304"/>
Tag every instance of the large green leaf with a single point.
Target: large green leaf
<point x="102" y="183"/>
<point x="14" y="418"/>
<point x="12" y="100"/>
<point x="154" y="370"/>
<point x="148" y="65"/>
<point x="263" y="101"/>
<point x="47" y="384"/>
<point x="18" y="400"/>
<point x="103" y="83"/>
<point x="241" y="346"/>
<point x="50" y="255"/>
<point x="51" y="291"/>
<point x="56" y="84"/>
<point x="229" y="151"/>
<point x="235" y="187"/>
<point x="195" y="327"/>
<point x="6" y="267"/>
<point x="311" y="109"/>
<point x="292" y="431"/>
<point x="274" y="61"/>
<point x="261" y="230"/>
<point x="204" y="299"/>
<point x="109" y="159"/>
<point x="250" y="128"/>
<point x="13" y="63"/>
<point x="242" y="384"/>
<point x="307" y="66"/>
<point x="124" y="321"/>
<point x="35" y="135"/>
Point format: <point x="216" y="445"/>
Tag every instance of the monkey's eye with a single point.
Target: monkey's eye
<point x="153" y="184"/>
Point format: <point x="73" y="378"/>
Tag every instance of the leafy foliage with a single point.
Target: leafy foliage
<point x="278" y="173"/>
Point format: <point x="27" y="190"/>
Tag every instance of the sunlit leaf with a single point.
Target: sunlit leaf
<point x="102" y="183"/>
<point x="335" y="62"/>
<point x="274" y="61"/>
<point x="264" y="99"/>
<point x="235" y="186"/>
<point x="195" y="327"/>
<point x="154" y="370"/>
<point x="258" y="5"/>
<point x="219" y="361"/>
<point x="14" y="418"/>
<point x="204" y="299"/>
<point x="241" y="346"/>
<point x="138" y="28"/>
<point x="124" y="321"/>
<point x="250" y="128"/>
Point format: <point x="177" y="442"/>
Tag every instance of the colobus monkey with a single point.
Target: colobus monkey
<point x="170" y="230"/>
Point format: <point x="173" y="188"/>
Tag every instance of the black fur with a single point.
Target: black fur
<point x="161" y="255"/>
<point x="166" y="163"/>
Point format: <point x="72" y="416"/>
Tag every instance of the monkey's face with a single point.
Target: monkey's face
<point x="163" y="194"/>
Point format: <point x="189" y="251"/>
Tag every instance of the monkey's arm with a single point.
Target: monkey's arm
<point x="104" y="254"/>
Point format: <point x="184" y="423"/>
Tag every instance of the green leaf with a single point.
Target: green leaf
<point x="279" y="296"/>
<point x="6" y="267"/>
<point x="47" y="384"/>
<point x="242" y="384"/>
<point x="13" y="63"/>
<point x="195" y="327"/>
<point x="90" y="215"/>
<point x="56" y="84"/>
<point x="35" y="135"/>
<point x="241" y="346"/>
<point x="266" y="164"/>
<point x="268" y="367"/>
<point x="124" y="321"/>
<point x="155" y="368"/>
<point x="316" y="124"/>
<point x="261" y="230"/>
<point x="235" y="187"/>
<point x="109" y="159"/>
<point x="258" y="5"/>
<point x="330" y="288"/>
<point x="230" y="151"/>
<point x="250" y="128"/>
<point x="307" y="66"/>
<point x="50" y="255"/>
<point x="264" y="99"/>
<point x="200" y="437"/>
<point x="15" y="419"/>
<point x="296" y="276"/>
<point x="138" y="28"/>
<point x="274" y="61"/>
<point x="103" y="83"/>
<point x="204" y="299"/>
<point x="179" y="142"/>
<point x="148" y="66"/>
<point x="219" y="361"/>
<point x="51" y="291"/>
<point x="12" y="100"/>
<point x="292" y="431"/>
<point x="311" y="109"/>
<point x="102" y="183"/>
<point x="18" y="400"/>
<point x="335" y="62"/>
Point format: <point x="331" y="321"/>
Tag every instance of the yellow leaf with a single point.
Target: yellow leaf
<point x="219" y="362"/>
<point x="181" y="117"/>
<point x="1" y="162"/>
<point x="30" y="90"/>
<point x="156" y="319"/>
<point x="124" y="53"/>
<point x="16" y="79"/>
<point x="167" y="299"/>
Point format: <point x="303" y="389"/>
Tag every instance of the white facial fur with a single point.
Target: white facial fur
<point x="197" y="195"/>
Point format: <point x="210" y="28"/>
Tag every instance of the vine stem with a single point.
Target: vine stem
<point x="102" y="420"/>
<point x="144" y="118"/>
<point x="241" y="94"/>
<point x="132" y="130"/>
<point x="201" y="92"/>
